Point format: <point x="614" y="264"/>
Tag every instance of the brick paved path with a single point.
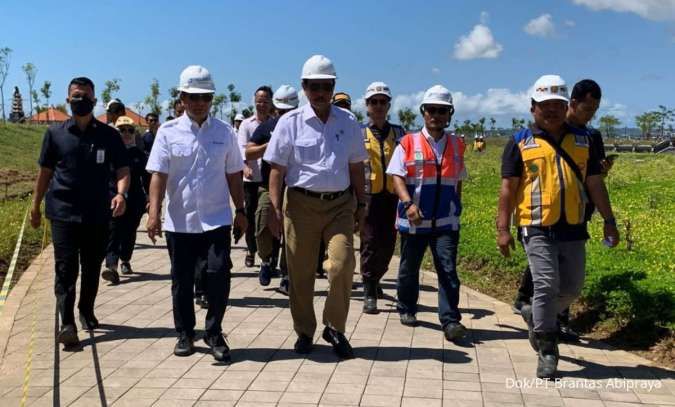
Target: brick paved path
<point x="129" y="360"/>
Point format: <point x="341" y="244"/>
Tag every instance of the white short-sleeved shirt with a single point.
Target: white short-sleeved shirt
<point x="316" y="154"/>
<point x="244" y="135"/>
<point x="196" y="160"/>
<point x="397" y="162"/>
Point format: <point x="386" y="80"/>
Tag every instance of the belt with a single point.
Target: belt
<point x="324" y="196"/>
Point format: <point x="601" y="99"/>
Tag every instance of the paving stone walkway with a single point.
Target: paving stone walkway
<point x="129" y="361"/>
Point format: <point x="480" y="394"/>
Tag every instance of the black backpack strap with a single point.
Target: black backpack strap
<point x="562" y="153"/>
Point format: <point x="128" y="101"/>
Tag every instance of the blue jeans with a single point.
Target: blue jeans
<point x="443" y="247"/>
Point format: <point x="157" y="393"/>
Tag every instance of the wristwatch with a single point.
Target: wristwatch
<point x="407" y="204"/>
<point x="610" y="221"/>
<point x="360" y="205"/>
<point x="240" y="210"/>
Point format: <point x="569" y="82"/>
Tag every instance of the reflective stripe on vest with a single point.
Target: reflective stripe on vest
<point x="375" y="169"/>
<point x="433" y="192"/>
<point x="548" y="184"/>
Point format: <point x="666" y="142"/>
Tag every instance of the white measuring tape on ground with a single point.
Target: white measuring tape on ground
<point x="4" y="292"/>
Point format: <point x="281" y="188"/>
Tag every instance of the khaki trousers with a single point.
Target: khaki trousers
<point x="307" y="222"/>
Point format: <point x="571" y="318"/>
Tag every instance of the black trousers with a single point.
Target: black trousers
<point x="250" y="206"/>
<point x="379" y="235"/>
<point x="526" y="291"/>
<point x="77" y="245"/>
<point x="122" y="239"/>
<point x="188" y="251"/>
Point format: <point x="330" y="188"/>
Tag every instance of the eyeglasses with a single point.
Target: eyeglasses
<point x="432" y="110"/>
<point x="204" y="97"/>
<point x="375" y="102"/>
<point x="128" y="130"/>
<point x="321" y="86"/>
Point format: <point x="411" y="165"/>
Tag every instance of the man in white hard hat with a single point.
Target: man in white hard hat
<point x="285" y="99"/>
<point x="318" y="148"/>
<point x="263" y="108"/>
<point x="428" y="169"/>
<point x="196" y="161"/>
<point x="547" y="173"/>
<point x="378" y="234"/>
<point x="238" y="118"/>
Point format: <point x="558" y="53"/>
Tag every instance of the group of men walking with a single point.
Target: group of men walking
<point x="302" y="181"/>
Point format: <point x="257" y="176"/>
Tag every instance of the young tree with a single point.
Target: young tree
<point x="359" y="115"/>
<point x="152" y="100"/>
<point x="31" y="72"/>
<point x="61" y="107"/>
<point x="663" y="117"/>
<point x="235" y="97"/>
<point x="407" y="118"/>
<point x="111" y="87"/>
<point x="481" y="126"/>
<point x="608" y="123"/>
<point x="646" y="122"/>
<point x="46" y="91"/>
<point x="493" y="122"/>
<point x="218" y="104"/>
<point x="35" y="101"/>
<point x="4" y="70"/>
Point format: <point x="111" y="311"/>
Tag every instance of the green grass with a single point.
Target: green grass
<point x="19" y="150"/>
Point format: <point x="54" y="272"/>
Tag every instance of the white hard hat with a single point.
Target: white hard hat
<point x="318" y="67"/>
<point x="550" y="87"/>
<point x="286" y="97"/>
<point x="377" y="88"/>
<point x="239" y="117"/>
<point x="196" y="79"/>
<point x="437" y="95"/>
<point x="115" y="101"/>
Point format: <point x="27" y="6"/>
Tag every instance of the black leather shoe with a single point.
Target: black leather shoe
<point x="249" y="261"/>
<point x="408" y="319"/>
<point x="203" y="302"/>
<point x="454" y="331"/>
<point x="125" y="268"/>
<point x="380" y="292"/>
<point x="567" y="334"/>
<point x="111" y="275"/>
<point x="89" y="322"/>
<point x="518" y="305"/>
<point x="283" y="286"/>
<point x="68" y="336"/>
<point x="303" y="345"/>
<point x="340" y="344"/>
<point x="185" y="346"/>
<point x="369" y="297"/>
<point x="219" y="348"/>
<point x="265" y="274"/>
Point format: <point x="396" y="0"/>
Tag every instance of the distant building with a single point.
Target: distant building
<point x="138" y="119"/>
<point x="17" y="115"/>
<point x="49" y="116"/>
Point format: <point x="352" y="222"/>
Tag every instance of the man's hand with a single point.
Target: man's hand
<point x="240" y="223"/>
<point x="118" y="205"/>
<point x="154" y="228"/>
<point x="248" y="171"/>
<point x="611" y="234"/>
<point x="504" y="242"/>
<point x="414" y="215"/>
<point x="275" y="222"/>
<point x="35" y="217"/>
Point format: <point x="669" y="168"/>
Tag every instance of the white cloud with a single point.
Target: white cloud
<point x="608" y="106"/>
<point x="657" y="10"/>
<point x="570" y="23"/>
<point x="541" y="26"/>
<point x="484" y="17"/>
<point x="435" y="71"/>
<point x="479" y="43"/>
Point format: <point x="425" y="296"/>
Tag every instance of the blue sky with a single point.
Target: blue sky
<point x="487" y="52"/>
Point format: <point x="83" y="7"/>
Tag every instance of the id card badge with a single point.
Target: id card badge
<point x="100" y="156"/>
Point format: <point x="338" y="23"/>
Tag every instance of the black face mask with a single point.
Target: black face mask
<point x="81" y="106"/>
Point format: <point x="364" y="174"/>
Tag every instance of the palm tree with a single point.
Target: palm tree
<point x="407" y="117"/>
<point x="608" y="123"/>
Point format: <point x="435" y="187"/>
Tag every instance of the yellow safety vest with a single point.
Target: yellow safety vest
<point x="548" y="184"/>
<point x="379" y="155"/>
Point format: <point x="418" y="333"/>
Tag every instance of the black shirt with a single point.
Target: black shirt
<point x="262" y="135"/>
<point x="140" y="180"/>
<point x="512" y="166"/>
<point x="84" y="165"/>
<point x="148" y="141"/>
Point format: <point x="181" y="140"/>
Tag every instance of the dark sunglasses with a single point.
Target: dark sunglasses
<point x="204" y="97"/>
<point x="375" y="102"/>
<point x="437" y="110"/>
<point x="315" y="87"/>
<point x="126" y="130"/>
